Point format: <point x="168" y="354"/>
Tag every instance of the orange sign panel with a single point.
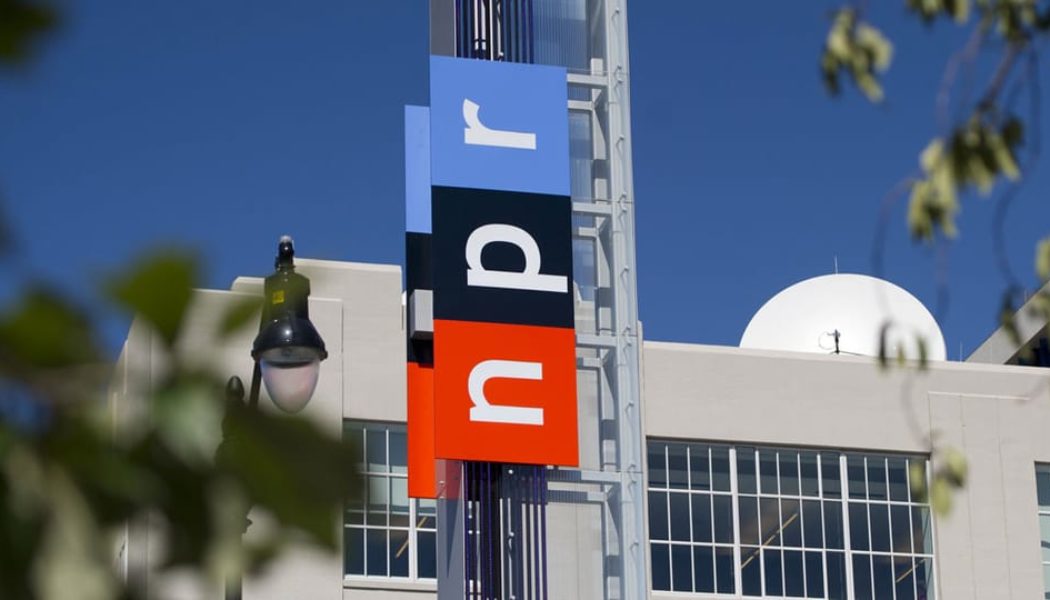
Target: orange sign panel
<point x="505" y="393"/>
<point x="422" y="478"/>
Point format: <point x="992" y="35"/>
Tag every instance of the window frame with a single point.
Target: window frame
<point x="1044" y="560"/>
<point x="414" y="528"/>
<point x="923" y="555"/>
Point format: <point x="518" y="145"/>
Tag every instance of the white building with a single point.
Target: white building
<point x="827" y="513"/>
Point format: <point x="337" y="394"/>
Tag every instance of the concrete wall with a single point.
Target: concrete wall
<point x="998" y="416"/>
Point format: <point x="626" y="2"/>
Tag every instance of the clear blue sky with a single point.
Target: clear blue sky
<point x="221" y="125"/>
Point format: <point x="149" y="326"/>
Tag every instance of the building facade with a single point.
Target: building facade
<point x="769" y="474"/>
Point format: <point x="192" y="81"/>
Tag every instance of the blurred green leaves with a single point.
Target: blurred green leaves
<point x="1042" y="259"/>
<point x="287" y="466"/>
<point x="930" y="10"/>
<point x="949" y="476"/>
<point x="858" y="50"/>
<point x="240" y="314"/>
<point x="43" y="330"/>
<point x="21" y="23"/>
<point x="975" y="155"/>
<point x="158" y="288"/>
<point x="69" y="482"/>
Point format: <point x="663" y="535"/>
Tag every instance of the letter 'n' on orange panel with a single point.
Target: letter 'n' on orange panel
<point x="505" y="393"/>
<point x="422" y="470"/>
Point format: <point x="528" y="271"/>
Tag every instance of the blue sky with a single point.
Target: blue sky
<point x="221" y="126"/>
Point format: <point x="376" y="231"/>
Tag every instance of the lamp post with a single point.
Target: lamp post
<point x="287" y="351"/>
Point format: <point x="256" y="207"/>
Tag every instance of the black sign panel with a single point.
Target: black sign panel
<point x="502" y="257"/>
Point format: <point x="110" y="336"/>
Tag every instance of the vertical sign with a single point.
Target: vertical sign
<point x="504" y="340"/>
<point x="422" y="479"/>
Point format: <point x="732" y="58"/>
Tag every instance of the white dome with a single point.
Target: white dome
<point x="805" y="317"/>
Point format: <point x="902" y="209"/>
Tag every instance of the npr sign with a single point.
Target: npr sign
<point x="504" y="356"/>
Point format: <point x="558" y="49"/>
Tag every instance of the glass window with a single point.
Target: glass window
<point x="790" y="523"/>
<point x="745" y="470"/>
<point x="1042" y="488"/>
<point x="386" y="533"/>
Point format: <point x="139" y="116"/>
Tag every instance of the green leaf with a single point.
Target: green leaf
<point x="945" y="198"/>
<point x="1004" y="157"/>
<point x="1042" y="259"/>
<point x="940" y="496"/>
<point x="838" y="44"/>
<point x="45" y="331"/>
<point x="857" y="49"/>
<point x="1007" y="318"/>
<point x="73" y="555"/>
<point x="919" y="222"/>
<point x="830" y="73"/>
<point x="881" y="49"/>
<point x="870" y="86"/>
<point x="158" y="289"/>
<point x="1013" y="132"/>
<point x="979" y="174"/>
<point x="931" y="155"/>
<point x="1040" y="305"/>
<point x="291" y="468"/>
<point x="959" y="9"/>
<point x="917" y="477"/>
<point x="883" y="356"/>
<point x="241" y="313"/>
<point x="20" y="24"/>
<point x="920" y="343"/>
<point x="188" y="417"/>
<point x="956" y="468"/>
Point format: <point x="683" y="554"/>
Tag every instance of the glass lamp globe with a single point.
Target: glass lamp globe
<point x="290" y="375"/>
<point x="289" y="351"/>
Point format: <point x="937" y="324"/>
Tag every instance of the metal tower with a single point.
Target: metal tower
<point x="589" y="38"/>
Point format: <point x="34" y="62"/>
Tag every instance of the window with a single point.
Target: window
<point x="385" y="533"/>
<point x="769" y="522"/>
<point x="1042" y="486"/>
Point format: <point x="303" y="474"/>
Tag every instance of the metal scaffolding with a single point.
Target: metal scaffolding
<point x="589" y="38"/>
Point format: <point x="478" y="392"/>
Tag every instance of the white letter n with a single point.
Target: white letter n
<point x="502" y="369"/>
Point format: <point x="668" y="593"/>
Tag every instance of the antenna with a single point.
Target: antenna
<point x="836" y="267"/>
<point x="806" y="316"/>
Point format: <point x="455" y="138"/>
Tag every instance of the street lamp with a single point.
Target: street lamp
<point x="287" y="351"/>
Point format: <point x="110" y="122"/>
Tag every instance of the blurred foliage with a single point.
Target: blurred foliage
<point x="895" y="350"/>
<point x="949" y="476"/>
<point x="982" y="148"/>
<point x="158" y="288"/>
<point x="75" y="474"/>
<point x="857" y="49"/>
<point x="70" y="480"/>
<point x="21" y="24"/>
<point x="979" y="148"/>
<point x="930" y="10"/>
<point x="975" y="155"/>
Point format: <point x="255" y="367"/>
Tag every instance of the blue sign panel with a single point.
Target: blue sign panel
<point x="499" y="126"/>
<point x="417" y="169"/>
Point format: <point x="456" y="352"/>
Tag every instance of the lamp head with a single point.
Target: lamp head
<point x="288" y="348"/>
<point x="285" y="258"/>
